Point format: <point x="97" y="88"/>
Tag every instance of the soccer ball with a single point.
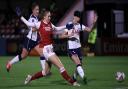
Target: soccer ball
<point x="120" y="76"/>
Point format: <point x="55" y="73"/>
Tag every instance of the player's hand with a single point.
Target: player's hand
<point x="18" y="11"/>
<point x="88" y="29"/>
<point x="69" y="26"/>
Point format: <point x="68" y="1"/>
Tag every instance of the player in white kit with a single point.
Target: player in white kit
<point x="74" y="45"/>
<point x="31" y="41"/>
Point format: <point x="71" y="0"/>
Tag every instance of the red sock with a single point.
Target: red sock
<point x="67" y="77"/>
<point x="37" y="75"/>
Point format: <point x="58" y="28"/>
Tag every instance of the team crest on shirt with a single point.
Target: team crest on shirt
<point x="47" y="28"/>
<point x="32" y="20"/>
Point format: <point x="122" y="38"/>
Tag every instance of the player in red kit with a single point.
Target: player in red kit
<point x="46" y="29"/>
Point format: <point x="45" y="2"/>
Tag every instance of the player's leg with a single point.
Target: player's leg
<point x="36" y="75"/>
<point x="49" y="54"/>
<point x="22" y="55"/>
<point x="79" y="53"/>
<point x="56" y="61"/>
<point x="48" y="66"/>
<point x="80" y="56"/>
<point x="74" y="57"/>
<point x="79" y="70"/>
<point x="44" y="64"/>
<point x="17" y="59"/>
<point x="53" y="58"/>
<point x="42" y="58"/>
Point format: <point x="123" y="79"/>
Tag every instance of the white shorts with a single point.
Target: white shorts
<point x="48" y="51"/>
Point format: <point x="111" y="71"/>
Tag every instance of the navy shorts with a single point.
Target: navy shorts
<point x="29" y="44"/>
<point x="75" y="52"/>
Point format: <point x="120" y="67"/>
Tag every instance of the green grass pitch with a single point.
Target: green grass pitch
<point x="100" y="73"/>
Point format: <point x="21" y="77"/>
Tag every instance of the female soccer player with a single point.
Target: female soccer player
<point x="31" y="41"/>
<point x="74" y="46"/>
<point x="46" y="29"/>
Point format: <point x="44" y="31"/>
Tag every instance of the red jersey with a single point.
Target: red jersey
<point x="46" y="32"/>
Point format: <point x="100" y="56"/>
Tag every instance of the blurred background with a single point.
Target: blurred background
<point x="111" y="29"/>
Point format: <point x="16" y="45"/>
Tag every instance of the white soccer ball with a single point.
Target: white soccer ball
<point x="120" y="76"/>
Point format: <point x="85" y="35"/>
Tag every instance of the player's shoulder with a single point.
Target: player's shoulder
<point x="33" y="18"/>
<point x="70" y="22"/>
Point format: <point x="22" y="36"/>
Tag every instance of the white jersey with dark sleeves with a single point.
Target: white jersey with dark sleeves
<point x="32" y="35"/>
<point x="73" y="44"/>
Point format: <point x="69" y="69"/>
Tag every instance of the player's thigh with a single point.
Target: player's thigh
<point x="39" y="50"/>
<point x="74" y="56"/>
<point x="56" y="61"/>
<point x="79" y="52"/>
<point x="48" y="51"/>
<point x="75" y="59"/>
<point x="51" y="56"/>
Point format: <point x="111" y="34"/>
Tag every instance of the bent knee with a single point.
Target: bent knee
<point x="24" y="53"/>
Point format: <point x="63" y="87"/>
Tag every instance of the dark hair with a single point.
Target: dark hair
<point x="43" y="13"/>
<point x="77" y="13"/>
<point x="34" y="5"/>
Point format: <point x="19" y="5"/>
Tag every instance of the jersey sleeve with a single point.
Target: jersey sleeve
<point x="82" y="27"/>
<point x="31" y="24"/>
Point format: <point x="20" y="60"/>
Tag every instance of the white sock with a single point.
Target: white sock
<point x="80" y="71"/>
<point x="42" y="62"/>
<point x="62" y="69"/>
<point x="14" y="60"/>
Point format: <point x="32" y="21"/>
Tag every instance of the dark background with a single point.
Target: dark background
<point x="12" y="30"/>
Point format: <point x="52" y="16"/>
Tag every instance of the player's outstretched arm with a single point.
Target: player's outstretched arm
<point x="58" y="28"/>
<point x="29" y="24"/>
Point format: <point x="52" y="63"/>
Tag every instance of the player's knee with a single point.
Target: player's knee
<point x="19" y="56"/>
<point x="24" y="54"/>
<point x="74" y="55"/>
<point x="62" y="69"/>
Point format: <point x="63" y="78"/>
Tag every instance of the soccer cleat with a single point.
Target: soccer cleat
<point x="8" y="66"/>
<point x="76" y="84"/>
<point x="28" y="79"/>
<point x="85" y="80"/>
